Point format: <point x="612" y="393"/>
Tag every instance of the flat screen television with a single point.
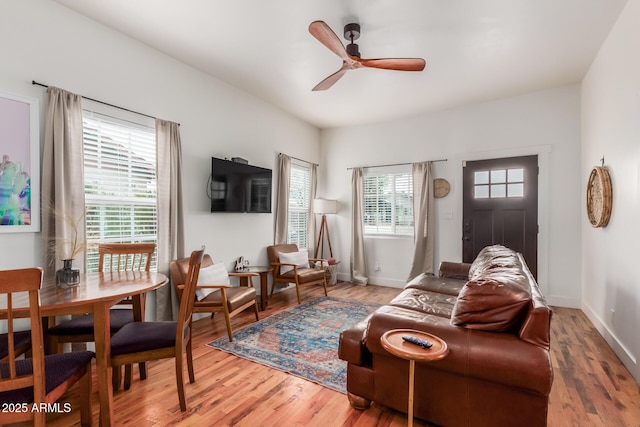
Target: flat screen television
<point x="238" y="187"/>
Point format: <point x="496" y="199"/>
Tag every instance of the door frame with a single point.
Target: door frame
<point x="543" y="153"/>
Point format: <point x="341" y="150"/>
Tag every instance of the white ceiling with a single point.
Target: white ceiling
<point x="476" y="50"/>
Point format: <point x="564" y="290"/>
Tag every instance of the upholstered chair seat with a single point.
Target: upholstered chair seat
<point x="21" y="343"/>
<point x="84" y="324"/>
<point x="142" y="336"/>
<point x="236" y="297"/>
<point x="58" y="368"/>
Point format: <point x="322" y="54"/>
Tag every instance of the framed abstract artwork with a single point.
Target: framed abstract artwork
<point x="19" y="164"/>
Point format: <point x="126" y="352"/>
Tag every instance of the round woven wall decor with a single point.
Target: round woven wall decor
<point x="599" y="197"/>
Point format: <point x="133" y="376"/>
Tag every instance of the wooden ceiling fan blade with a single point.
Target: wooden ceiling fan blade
<point x="325" y="35"/>
<point x="399" y="64"/>
<point x="330" y="81"/>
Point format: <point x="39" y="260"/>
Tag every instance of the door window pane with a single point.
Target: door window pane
<point x="515" y="190"/>
<point x="498" y="190"/>
<point x="516" y="175"/>
<point x="481" y="192"/>
<point x="481" y="177"/>
<point x="498" y="176"/>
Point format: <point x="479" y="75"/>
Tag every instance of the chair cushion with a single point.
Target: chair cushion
<point x="142" y="336"/>
<point x="20" y="339"/>
<point x="299" y="258"/>
<point x="57" y="369"/>
<point x="83" y="324"/>
<point x="215" y="274"/>
<point x="236" y="297"/>
<point x="306" y="275"/>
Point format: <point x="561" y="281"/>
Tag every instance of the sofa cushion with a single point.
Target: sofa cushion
<point x="435" y="303"/>
<point x="497" y="296"/>
<point x="443" y="285"/>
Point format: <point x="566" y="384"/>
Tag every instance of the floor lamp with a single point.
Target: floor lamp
<point x="324" y="207"/>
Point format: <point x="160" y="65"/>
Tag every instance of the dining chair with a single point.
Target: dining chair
<point x="217" y="295"/>
<point x="293" y="266"/>
<point x="146" y="341"/>
<point x="112" y="257"/>
<point x="40" y="379"/>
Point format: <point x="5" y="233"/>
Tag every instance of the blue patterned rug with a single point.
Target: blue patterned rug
<point x="302" y="340"/>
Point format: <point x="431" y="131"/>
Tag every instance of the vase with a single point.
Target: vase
<point x="67" y="276"/>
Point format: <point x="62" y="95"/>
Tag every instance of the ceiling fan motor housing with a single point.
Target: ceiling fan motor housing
<point x="351" y="33"/>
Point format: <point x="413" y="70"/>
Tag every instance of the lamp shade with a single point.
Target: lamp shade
<point x="324" y="206"/>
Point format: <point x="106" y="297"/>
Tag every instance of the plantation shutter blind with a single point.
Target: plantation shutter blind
<point x="388" y="203"/>
<point x="299" y="193"/>
<point x="120" y="183"/>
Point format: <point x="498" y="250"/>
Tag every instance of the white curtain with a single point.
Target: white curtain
<point x="311" y="220"/>
<point x="170" y="212"/>
<point x="358" y="262"/>
<point x="63" y="181"/>
<point x="423" y="219"/>
<point x="282" y="200"/>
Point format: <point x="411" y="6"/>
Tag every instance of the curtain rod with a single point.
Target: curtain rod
<point x="33" y="82"/>
<point x="396" y="164"/>
<point x="302" y="160"/>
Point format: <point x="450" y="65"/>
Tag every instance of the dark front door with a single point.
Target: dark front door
<point x="500" y="206"/>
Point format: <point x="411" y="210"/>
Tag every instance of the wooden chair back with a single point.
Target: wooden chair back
<point x="11" y="282"/>
<point x="189" y="293"/>
<point x="125" y="256"/>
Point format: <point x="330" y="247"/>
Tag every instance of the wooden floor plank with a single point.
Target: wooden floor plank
<point x="591" y="386"/>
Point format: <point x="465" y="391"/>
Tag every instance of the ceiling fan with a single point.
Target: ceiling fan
<point x="351" y="55"/>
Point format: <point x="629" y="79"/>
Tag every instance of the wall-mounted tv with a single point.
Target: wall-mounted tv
<point x="239" y="187"/>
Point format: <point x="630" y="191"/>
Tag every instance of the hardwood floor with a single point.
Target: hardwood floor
<point x="591" y="387"/>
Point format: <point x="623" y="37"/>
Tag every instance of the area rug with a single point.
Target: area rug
<point x="302" y="340"/>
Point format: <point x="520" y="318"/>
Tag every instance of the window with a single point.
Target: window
<point x="388" y="203"/>
<point x="119" y="183"/>
<point x="498" y="183"/>
<point x="299" y="198"/>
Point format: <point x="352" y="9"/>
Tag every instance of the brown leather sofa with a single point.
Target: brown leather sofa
<point x="497" y="326"/>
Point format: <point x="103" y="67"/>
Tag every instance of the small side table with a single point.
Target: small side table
<point x="392" y="342"/>
<point x="263" y="271"/>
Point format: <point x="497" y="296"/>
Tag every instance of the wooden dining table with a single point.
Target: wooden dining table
<point x="97" y="293"/>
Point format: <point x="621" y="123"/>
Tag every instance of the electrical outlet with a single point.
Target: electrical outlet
<point x="377" y="266"/>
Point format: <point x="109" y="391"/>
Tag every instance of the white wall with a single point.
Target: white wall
<point x="611" y="129"/>
<point x="546" y="123"/>
<point x="43" y="41"/>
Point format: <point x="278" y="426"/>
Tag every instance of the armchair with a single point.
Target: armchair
<point x="293" y="272"/>
<point x="228" y="300"/>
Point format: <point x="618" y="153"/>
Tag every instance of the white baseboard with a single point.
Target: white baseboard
<point x="392" y="283"/>
<point x="626" y="356"/>
<point x="561" y="301"/>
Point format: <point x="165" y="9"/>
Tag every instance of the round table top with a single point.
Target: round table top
<point x="392" y="342"/>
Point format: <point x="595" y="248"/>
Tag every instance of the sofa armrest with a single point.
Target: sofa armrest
<point x="454" y="270"/>
<point x="352" y="347"/>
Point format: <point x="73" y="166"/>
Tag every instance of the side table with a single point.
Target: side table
<point x="392" y="342"/>
<point x="263" y="271"/>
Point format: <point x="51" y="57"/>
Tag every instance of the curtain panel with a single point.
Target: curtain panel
<point x="170" y="212"/>
<point x="63" y="206"/>
<point x="358" y="263"/>
<point x="423" y="219"/>
<point x="311" y="220"/>
<point x="282" y="200"/>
